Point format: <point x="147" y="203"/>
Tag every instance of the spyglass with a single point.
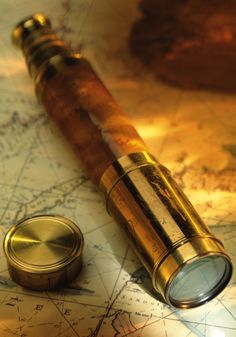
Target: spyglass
<point x="186" y="262"/>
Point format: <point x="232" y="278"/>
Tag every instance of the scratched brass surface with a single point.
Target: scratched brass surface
<point x="164" y="229"/>
<point x="44" y="252"/>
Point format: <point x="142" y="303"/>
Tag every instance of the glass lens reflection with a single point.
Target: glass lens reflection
<point x="198" y="280"/>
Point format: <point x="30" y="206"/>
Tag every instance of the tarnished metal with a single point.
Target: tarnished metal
<point x="44" y="53"/>
<point x="160" y="223"/>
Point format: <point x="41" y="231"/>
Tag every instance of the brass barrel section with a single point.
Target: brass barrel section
<point x="169" y="237"/>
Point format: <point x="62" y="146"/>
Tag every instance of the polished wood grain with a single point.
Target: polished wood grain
<point x="98" y="129"/>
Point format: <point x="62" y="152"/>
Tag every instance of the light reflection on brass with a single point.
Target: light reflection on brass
<point x="161" y="224"/>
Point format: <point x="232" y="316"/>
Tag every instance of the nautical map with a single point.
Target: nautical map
<point x="190" y="132"/>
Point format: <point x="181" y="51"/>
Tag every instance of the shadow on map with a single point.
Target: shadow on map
<point x="142" y="278"/>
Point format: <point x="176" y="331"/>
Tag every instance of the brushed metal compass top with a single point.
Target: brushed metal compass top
<point x="43" y="245"/>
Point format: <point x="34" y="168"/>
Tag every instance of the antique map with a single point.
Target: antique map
<point x="191" y="132"/>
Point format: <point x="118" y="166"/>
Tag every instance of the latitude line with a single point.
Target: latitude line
<point x="86" y="16"/>
<point x="52" y="187"/>
<point x="227" y="309"/>
<point x="121" y="323"/>
<point x="118" y="276"/>
<point x="18" y="179"/>
<point x="164" y="324"/>
<point x="63" y="316"/>
<point x="6" y="328"/>
<point x="101" y="278"/>
<point x="148" y="324"/>
<point x="55" y="299"/>
<point x="95" y="229"/>
<point x="183" y="321"/>
<point x="109" y="306"/>
<point x="201" y="323"/>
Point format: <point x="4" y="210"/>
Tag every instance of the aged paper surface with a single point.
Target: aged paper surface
<point x="191" y="132"/>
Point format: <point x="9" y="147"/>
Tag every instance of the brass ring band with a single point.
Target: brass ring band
<point x="122" y="167"/>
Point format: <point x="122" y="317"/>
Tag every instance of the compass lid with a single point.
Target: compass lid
<point x="44" y="252"/>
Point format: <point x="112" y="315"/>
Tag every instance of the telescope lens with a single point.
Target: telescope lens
<point x="199" y="281"/>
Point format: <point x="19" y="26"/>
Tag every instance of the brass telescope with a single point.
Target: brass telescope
<point x="187" y="264"/>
